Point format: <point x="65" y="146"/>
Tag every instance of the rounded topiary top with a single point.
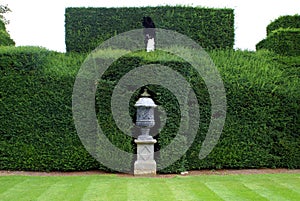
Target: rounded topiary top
<point x="288" y="21"/>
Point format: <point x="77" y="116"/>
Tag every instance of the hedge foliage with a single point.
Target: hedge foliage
<point x="286" y="22"/>
<point x="283" y="36"/>
<point x="86" y="28"/>
<point x="282" y="41"/>
<point x="37" y="131"/>
<point x="5" y="39"/>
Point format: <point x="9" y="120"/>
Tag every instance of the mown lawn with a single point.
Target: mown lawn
<point x="112" y="187"/>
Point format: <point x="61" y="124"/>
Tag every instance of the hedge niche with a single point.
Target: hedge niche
<point x="86" y="28"/>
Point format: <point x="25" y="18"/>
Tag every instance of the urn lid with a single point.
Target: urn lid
<point x="145" y="101"/>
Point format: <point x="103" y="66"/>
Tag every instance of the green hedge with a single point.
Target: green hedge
<point x="5" y="39"/>
<point x="282" y="41"/>
<point x="86" y="28"/>
<point x="22" y="59"/>
<point x="37" y="130"/>
<point x="283" y="36"/>
<point x="288" y="21"/>
<point x="2" y="25"/>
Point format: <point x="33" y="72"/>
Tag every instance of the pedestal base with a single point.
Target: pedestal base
<point x="145" y="163"/>
<point x="145" y="168"/>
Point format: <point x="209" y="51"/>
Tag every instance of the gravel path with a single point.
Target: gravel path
<point x="194" y="172"/>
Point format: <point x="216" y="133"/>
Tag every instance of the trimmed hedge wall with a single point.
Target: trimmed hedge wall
<point x="86" y="28"/>
<point x="288" y="21"/>
<point x="36" y="125"/>
<point x="283" y="36"/>
<point x="37" y="130"/>
<point x="282" y="41"/>
<point x="5" y="39"/>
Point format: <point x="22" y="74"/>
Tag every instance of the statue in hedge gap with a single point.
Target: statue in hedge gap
<point x="149" y="33"/>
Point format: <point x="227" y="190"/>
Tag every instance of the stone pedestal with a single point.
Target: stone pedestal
<point x="145" y="163"/>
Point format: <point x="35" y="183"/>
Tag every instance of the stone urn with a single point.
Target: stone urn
<point x="145" y="163"/>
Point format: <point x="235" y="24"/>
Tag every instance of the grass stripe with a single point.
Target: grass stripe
<point x="273" y="186"/>
<point x="181" y="191"/>
<point x="96" y="190"/>
<point x="106" y="188"/>
<point x="246" y="192"/>
<point x="267" y="191"/>
<point x="237" y="190"/>
<point x="280" y="190"/>
<point x="8" y="182"/>
<point x="232" y="188"/>
<point x="111" y="187"/>
<point x="118" y="189"/>
<point x="137" y="190"/>
<point x="17" y="189"/>
<point x="77" y="188"/>
<point x="189" y="189"/>
<point x="31" y="188"/>
<point x="150" y="189"/>
<point x="222" y="191"/>
<point x="55" y="191"/>
<point x="292" y="183"/>
<point x="264" y="192"/>
<point x="160" y="190"/>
